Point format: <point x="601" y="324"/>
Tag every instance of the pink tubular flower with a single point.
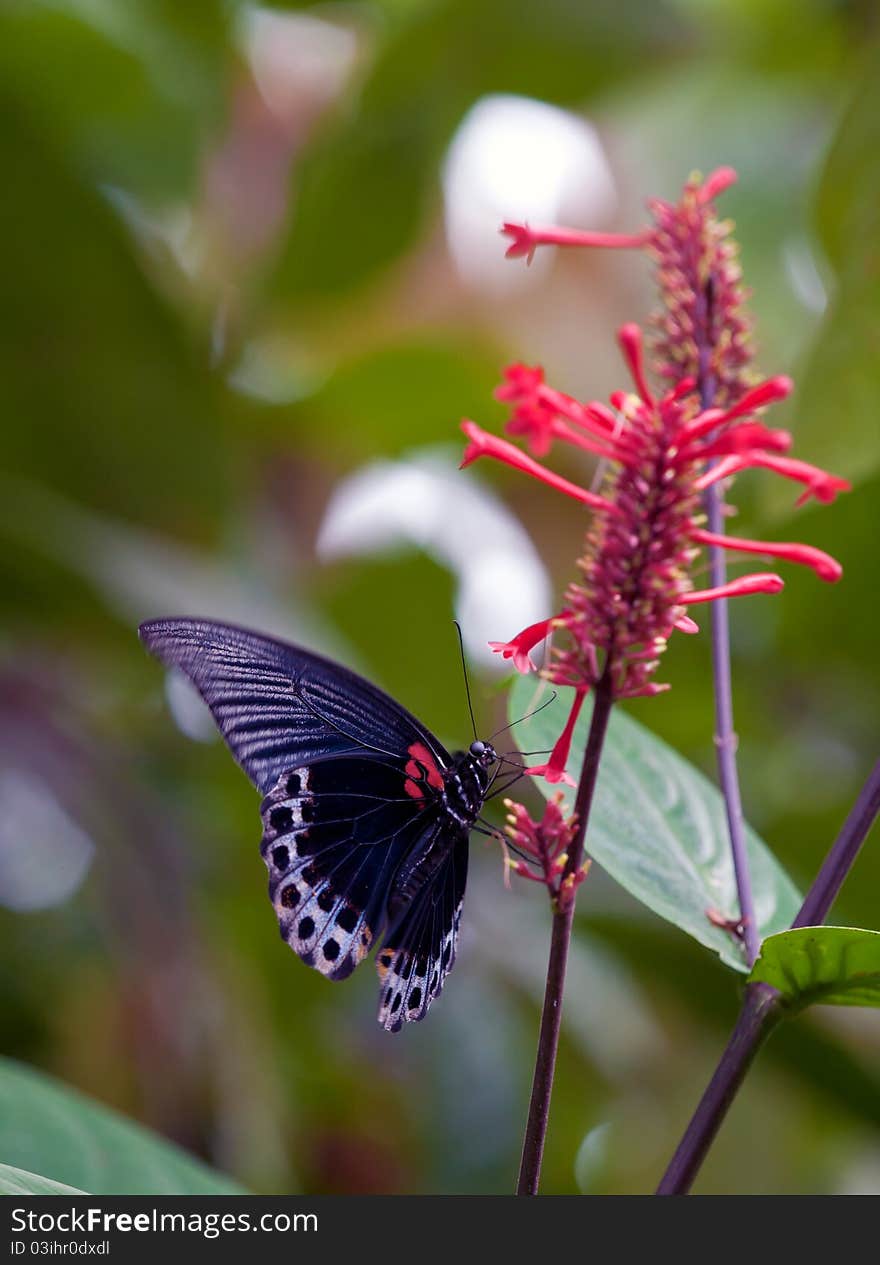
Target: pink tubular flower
<point x="519" y="650"/>
<point x="482" y="444"/>
<point x="818" y="483"/>
<point x="634" y="586"/>
<point x="544" y="846"/>
<point x="554" y="769"/>
<point x="525" y="240"/>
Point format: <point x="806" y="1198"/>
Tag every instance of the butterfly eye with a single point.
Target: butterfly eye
<point x="478" y="748"/>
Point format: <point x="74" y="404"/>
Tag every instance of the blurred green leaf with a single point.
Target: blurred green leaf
<point x="398" y="397"/>
<point x="109" y="399"/>
<point x="848" y="200"/>
<point x="16" y="1181"/>
<point x="832" y="966"/>
<point x="129" y="90"/>
<point x="46" y="1127"/>
<point x="834" y="413"/>
<point x="658" y="825"/>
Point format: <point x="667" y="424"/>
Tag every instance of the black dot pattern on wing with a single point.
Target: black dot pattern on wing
<point x="334" y="833"/>
<point x="419" y="950"/>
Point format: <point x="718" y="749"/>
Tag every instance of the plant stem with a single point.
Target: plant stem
<point x="761" y="1011"/>
<point x="844" y="851"/>
<point x="563" y="917"/>
<point x="725" y="734"/>
<point x="761" y="1007"/>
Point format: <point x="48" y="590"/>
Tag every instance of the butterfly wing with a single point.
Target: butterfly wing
<point x="280" y="707"/>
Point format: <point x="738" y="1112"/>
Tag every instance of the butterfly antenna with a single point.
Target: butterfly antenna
<point x="467" y="684"/>
<point x="528" y="715"/>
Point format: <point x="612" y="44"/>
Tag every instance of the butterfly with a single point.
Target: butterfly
<point x="366" y="817"/>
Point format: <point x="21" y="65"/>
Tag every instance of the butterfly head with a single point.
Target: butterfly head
<point x="484" y="753"/>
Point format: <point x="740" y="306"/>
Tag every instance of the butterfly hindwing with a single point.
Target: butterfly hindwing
<point x="420" y="947"/>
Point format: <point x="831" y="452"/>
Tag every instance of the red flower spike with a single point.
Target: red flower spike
<point x="634" y="586"/>
<point x="826" y="567"/>
<point x="482" y="444"/>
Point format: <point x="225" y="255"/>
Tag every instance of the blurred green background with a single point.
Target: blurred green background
<point x="251" y="282"/>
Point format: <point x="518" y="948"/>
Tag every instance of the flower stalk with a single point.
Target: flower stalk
<point x="560" y="940"/>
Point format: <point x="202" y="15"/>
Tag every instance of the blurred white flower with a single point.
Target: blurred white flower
<point x="424" y="501"/>
<point x="44" y="854"/>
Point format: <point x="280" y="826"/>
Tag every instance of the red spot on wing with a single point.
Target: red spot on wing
<point x="420" y="752"/>
<point x="414" y="770"/>
<point x="412" y="789"/>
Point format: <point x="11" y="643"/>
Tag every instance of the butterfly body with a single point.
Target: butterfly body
<point x="365" y="815"/>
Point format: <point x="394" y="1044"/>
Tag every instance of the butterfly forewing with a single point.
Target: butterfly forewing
<point x="361" y="845"/>
<point x="280" y="707"/>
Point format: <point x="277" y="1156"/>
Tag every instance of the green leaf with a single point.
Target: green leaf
<point x="17" y="1181"/>
<point x="834" y="411"/>
<point x="47" y="1128"/>
<point x="831" y="966"/>
<point x="107" y="397"/>
<point x="658" y="825"/>
<point x="366" y="406"/>
<point x="848" y="201"/>
<point x="128" y="91"/>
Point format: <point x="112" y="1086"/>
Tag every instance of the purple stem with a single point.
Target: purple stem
<point x="563" y="917"/>
<point x="761" y="1007"/>
<point x="725" y="734"/>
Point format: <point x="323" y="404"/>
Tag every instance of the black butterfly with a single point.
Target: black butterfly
<point x="366" y="817"/>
